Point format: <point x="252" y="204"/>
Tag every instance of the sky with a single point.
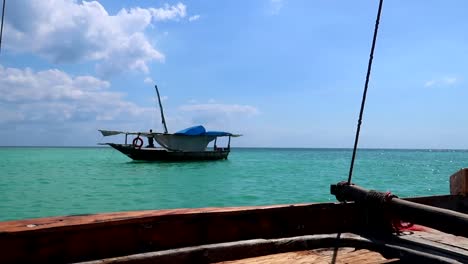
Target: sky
<point x="282" y="73"/>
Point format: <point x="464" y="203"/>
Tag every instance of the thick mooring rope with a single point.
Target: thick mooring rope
<point x="369" y="67"/>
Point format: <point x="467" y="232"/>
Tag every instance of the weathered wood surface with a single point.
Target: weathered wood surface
<point x="239" y="250"/>
<point x="325" y="255"/>
<point x="87" y="237"/>
<point x="427" y="246"/>
<point x="435" y="241"/>
<point x="452" y="202"/>
<point x="79" y="238"/>
<point x="459" y="182"/>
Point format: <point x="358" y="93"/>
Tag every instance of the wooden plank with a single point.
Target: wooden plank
<point x="459" y="182"/>
<point x="106" y="218"/>
<point x="389" y="247"/>
<point x="452" y="202"/>
<point x="79" y="238"/>
<point x="435" y="240"/>
<point x="243" y="250"/>
<point x="86" y="237"/>
<point x="344" y="255"/>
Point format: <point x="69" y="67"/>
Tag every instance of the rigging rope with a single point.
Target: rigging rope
<point x="1" y="27"/>
<point x="369" y="67"/>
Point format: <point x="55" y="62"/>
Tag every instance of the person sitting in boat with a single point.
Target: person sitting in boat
<point x="150" y="140"/>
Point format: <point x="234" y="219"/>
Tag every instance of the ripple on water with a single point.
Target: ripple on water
<point x="37" y="182"/>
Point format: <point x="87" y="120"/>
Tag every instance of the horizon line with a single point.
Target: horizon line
<point x="337" y="148"/>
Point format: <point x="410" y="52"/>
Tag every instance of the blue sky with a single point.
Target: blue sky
<point x="282" y="73"/>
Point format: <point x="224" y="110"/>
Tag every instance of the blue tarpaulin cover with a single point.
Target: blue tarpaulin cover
<point x="201" y="131"/>
<point x="217" y="133"/>
<point x="192" y="131"/>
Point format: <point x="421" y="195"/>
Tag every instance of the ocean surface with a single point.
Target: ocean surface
<point x="40" y="182"/>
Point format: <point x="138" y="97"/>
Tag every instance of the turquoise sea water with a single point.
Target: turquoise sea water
<point x="39" y="182"/>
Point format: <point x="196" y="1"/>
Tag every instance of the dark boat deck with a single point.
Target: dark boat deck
<point x="426" y="246"/>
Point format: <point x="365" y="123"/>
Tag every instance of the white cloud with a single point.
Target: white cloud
<point x="163" y="99"/>
<point x="429" y="83"/>
<point x="275" y="6"/>
<point x="214" y="116"/>
<point x="445" y="81"/>
<point x="450" y="80"/>
<point x="221" y="108"/>
<point x="61" y="109"/>
<point x="194" y="18"/>
<point x="53" y="96"/>
<point x="148" y="80"/>
<point x="169" y="12"/>
<point x="65" y="31"/>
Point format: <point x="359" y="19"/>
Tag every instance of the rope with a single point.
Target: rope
<point x="376" y="202"/>
<point x="1" y="27"/>
<point x="369" y="67"/>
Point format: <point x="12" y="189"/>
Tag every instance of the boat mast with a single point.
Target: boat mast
<point x="161" y="108"/>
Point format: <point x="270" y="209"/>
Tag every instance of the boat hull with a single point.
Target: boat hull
<point x="195" y="235"/>
<point x="158" y="154"/>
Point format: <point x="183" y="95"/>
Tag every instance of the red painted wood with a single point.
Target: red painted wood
<point x="78" y="238"/>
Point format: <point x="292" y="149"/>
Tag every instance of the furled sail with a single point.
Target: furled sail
<point x="184" y="143"/>
<point x="107" y="133"/>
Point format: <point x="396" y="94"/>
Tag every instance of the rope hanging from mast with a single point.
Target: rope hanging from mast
<point x="1" y="26"/>
<point x="369" y="67"/>
<point x="162" y="112"/>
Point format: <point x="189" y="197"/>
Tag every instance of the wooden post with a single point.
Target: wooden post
<point x="459" y="182"/>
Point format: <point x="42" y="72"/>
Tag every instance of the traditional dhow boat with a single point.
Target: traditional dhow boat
<point x="185" y="145"/>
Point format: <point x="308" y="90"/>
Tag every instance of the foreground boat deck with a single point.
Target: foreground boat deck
<point x="324" y="255"/>
<point x="425" y="246"/>
<point x="228" y="233"/>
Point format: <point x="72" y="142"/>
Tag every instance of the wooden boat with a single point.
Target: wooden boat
<point x="162" y="154"/>
<point x="365" y="229"/>
<point x="186" y="145"/>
